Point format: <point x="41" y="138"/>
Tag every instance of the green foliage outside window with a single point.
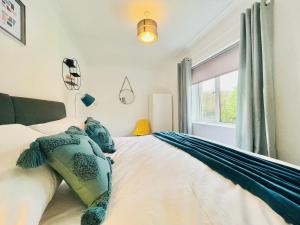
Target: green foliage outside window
<point x="215" y="100"/>
<point x="229" y="106"/>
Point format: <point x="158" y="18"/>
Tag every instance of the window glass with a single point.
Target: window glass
<point x="208" y="101"/>
<point x="228" y="97"/>
<point x="215" y="100"/>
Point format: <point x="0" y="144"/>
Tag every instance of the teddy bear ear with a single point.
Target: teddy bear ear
<point x="32" y="157"/>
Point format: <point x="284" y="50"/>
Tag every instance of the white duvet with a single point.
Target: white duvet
<point x="157" y="184"/>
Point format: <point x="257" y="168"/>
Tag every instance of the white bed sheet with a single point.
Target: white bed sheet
<point x="24" y="193"/>
<point x="157" y="184"/>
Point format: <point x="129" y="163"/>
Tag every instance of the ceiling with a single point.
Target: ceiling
<point x="105" y="30"/>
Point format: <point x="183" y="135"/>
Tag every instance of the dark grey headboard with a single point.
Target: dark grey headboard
<point x="28" y="111"/>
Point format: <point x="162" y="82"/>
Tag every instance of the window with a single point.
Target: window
<point x="214" y="90"/>
<point x="208" y="99"/>
<point x="215" y="100"/>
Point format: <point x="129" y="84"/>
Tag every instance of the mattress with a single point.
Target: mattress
<point x="157" y="184"/>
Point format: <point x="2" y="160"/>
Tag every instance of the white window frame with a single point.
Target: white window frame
<point x="199" y="119"/>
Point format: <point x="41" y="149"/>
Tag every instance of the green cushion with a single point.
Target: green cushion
<point x="80" y="162"/>
<point x="99" y="134"/>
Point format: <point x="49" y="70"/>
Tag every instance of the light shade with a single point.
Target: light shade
<point x="88" y="100"/>
<point x="147" y="31"/>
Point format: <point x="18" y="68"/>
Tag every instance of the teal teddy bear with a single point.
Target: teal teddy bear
<point x="81" y="163"/>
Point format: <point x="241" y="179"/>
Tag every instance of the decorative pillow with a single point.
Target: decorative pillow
<point x="81" y="163"/>
<point x="57" y="126"/>
<point x="99" y="134"/>
<point x="24" y="194"/>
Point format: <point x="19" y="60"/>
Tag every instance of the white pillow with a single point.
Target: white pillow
<point x="57" y="126"/>
<point x="24" y="193"/>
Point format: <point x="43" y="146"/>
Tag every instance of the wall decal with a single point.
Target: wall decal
<point x="13" y="19"/>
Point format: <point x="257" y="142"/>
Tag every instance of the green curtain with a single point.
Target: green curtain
<point x="185" y="96"/>
<point x="256" y="104"/>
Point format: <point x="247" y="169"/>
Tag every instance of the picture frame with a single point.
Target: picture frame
<point x="13" y="19"/>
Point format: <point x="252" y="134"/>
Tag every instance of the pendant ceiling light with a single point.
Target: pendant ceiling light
<point x="147" y="30"/>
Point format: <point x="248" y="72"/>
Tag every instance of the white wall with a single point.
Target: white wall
<point x="221" y="33"/>
<point x="287" y="79"/>
<point x="104" y="83"/>
<point x="225" y="31"/>
<point x="34" y="70"/>
<point x="217" y="132"/>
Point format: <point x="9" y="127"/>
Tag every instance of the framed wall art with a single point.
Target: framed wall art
<point x="13" y="19"/>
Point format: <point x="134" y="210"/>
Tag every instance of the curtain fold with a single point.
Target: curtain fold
<point x="256" y="104"/>
<point x="185" y="96"/>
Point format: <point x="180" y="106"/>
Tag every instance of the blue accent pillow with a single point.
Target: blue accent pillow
<point x="99" y="134"/>
<point x="81" y="163"/>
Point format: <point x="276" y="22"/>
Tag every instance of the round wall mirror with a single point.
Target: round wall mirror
<point x="126" y="94"/>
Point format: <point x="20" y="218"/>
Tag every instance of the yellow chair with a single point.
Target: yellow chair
<point x="142" y="127"/>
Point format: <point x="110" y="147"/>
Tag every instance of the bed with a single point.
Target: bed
<point x="153" y="182"/>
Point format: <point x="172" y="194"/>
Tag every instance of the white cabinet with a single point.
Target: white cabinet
<point x="161" y="112"/>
